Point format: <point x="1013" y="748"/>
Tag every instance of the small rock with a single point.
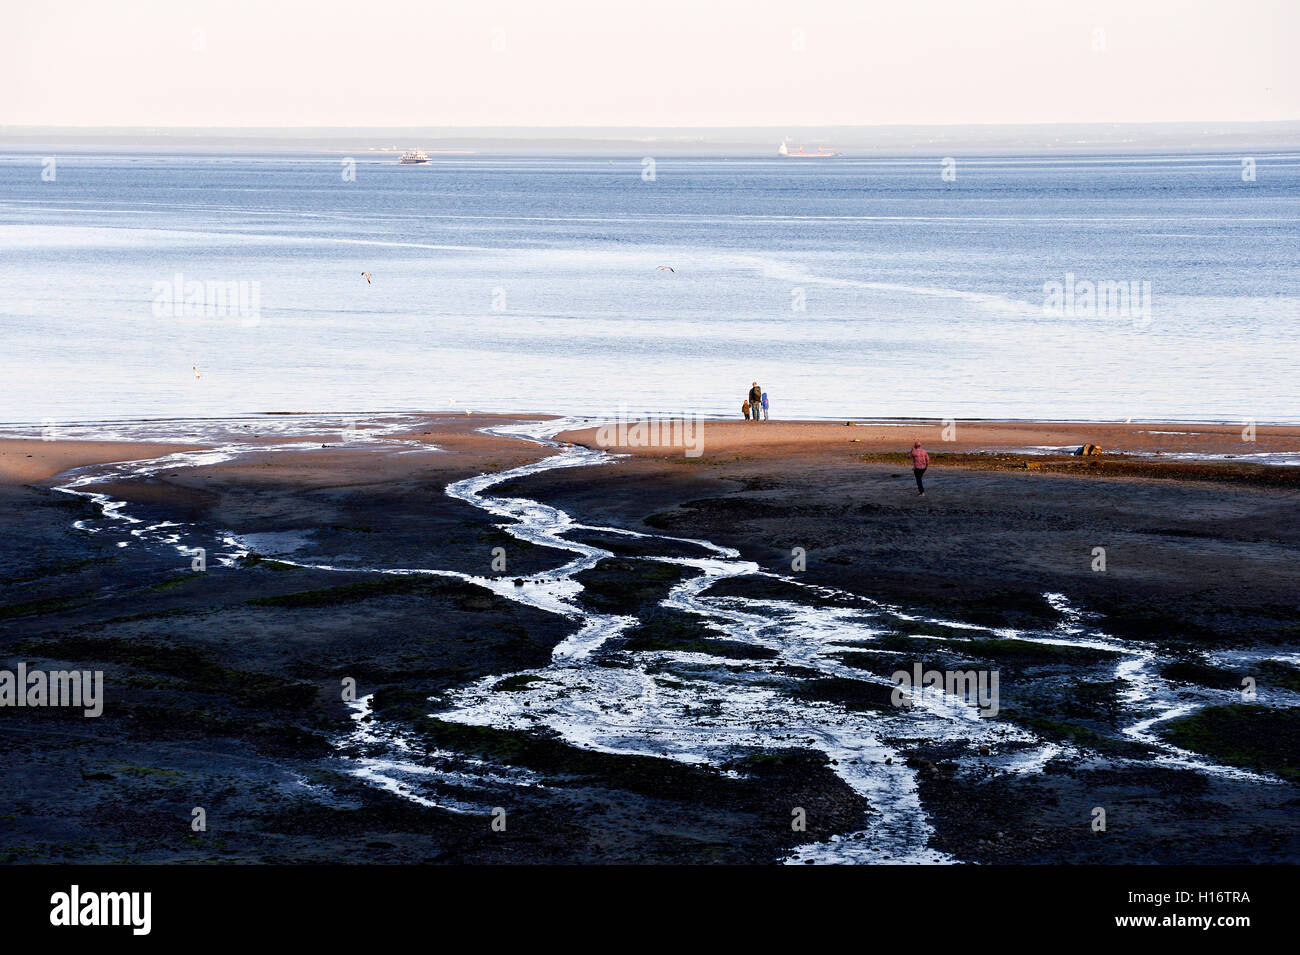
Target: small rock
<point x="519" y="582"/>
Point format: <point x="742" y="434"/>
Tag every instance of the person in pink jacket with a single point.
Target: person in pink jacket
<point x="920" y="461"/>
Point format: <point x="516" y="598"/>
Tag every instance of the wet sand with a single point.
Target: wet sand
<point x="224" y="686"/>
<point x="857" y="436"/>
<point x="992" y="520"/>
<point x="28" y="461"/>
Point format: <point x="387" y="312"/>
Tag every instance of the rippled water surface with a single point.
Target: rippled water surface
<point x="859" y="286"/>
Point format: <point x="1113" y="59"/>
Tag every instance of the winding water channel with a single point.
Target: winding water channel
<point x="696" y="707"/>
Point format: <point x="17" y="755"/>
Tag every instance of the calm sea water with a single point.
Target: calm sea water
<point x="866" y="287"/>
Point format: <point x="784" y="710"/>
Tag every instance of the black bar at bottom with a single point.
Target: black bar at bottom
<point x="337" y="904"/>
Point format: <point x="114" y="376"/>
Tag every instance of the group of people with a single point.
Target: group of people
<point x="755" y="404"/>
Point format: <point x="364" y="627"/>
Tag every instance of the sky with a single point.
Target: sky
<point x="667" y="63"/>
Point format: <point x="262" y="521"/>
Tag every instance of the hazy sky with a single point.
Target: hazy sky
<point x="660" y="63"/>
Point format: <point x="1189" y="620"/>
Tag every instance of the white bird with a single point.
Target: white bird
<point x="668" y="267"/>
<point x="367" y="277"/>
<point x="196" y="372"/>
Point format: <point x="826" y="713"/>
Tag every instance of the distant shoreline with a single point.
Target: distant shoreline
<point x="741" y="141"/>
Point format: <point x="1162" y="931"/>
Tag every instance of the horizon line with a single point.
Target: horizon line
<point x="738" y="128"/>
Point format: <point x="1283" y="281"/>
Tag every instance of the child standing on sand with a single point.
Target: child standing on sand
<point x="765" y="417"/>
<point x="744" y="409"/>
<point x="920" y="461"/>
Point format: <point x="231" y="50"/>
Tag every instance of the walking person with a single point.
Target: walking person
<point x="920" y="461"/>
<point x="765" y="415"/>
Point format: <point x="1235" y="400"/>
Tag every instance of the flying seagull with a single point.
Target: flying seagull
<point x="367" y="277"/>
<point x="668" y="267"/>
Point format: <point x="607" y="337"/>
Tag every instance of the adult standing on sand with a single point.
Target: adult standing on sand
<point x="755" y="399"/>
<point x="920" y="461"/>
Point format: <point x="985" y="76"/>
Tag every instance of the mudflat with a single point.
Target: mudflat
<point x="355" y="674"/>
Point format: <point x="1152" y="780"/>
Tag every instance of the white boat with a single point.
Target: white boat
<point x="785" y="150"/>
<point x="413" y="156"/>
